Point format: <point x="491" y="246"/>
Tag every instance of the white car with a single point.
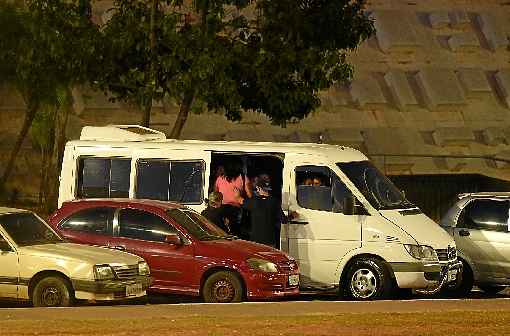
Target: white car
<point x="480" y="225"/>
<point x="38" y="265"/>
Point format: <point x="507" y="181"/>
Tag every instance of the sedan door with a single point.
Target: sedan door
<point x="91" y="226"/>
<point x="9" y="272"/>
<point x="482" y="235"/>
<point x="145" y="234"/>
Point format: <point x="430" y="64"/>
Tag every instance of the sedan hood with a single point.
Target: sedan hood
<point x="241" y="250"/>
<point x="423" y="229"/>
<point x="83" y="253"/>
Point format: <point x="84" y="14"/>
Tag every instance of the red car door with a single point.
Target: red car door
<point x="144" y="233"/>
<point x="91" y="226"/>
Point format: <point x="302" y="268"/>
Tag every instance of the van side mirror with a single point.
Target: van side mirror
<point x="353" y="207"/>
<point x="4" y="246"/>
<point x="349" y="205"/>
<point x="173" y="239"/>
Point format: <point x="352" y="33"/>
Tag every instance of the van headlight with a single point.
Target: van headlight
<point x="143" y="268"/>
<point x="262" y="265"/>
<point x="103" y="272"/>
<point x="421" y="252"/>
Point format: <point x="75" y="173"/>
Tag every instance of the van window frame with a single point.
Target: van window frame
<point x="77" y="175"/>
<point x="204" y="167"/>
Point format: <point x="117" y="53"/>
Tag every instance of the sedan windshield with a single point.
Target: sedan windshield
<point x="197" y="225"/>
<point x="376" y="187"/>
<point x="27" y="229"/>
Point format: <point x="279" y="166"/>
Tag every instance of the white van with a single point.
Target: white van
<point x="355" y="231"/>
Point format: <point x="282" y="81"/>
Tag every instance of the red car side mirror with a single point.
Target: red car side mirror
<point x="173" y="239"/>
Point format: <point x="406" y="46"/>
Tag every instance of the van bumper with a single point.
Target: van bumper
<point x="418" y="275"/>
<point x="111" y="289"/>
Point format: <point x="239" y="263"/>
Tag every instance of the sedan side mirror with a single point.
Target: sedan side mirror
<point x="173" y="239"/>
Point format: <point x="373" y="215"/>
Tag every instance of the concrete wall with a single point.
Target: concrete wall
<point x="432" y="85"/>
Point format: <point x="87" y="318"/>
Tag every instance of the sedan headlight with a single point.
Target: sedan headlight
<point x="143" y="268"/>
<point x="262" y="265"/>
<point x="103" y="272"/>
<point x="421" y="252"/>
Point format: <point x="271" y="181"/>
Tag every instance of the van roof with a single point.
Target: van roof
<point x="126" y="201"/>
<point x="129" y="137"/>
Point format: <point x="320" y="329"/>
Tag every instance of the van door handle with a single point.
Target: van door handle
<point x="464" y="233"/>
<point x="298" y="222"/>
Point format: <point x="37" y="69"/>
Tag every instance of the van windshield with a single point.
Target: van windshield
<point x="377" y="188"/>
<point x="197" y="225"/>
<point x="27" y="229"/>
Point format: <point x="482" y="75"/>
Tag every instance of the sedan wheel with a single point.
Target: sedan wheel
<point x="51" y="292"/>
<point x="223" y="287"/>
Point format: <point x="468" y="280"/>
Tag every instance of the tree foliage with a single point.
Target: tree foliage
<point x="273" y="57"/>
<point x="47" y="48"/>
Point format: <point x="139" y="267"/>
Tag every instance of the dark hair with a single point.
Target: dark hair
<point x="232" y="171"/>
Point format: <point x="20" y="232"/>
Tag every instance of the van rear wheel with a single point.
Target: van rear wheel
<point x="223" y="287"/>
<point x="367" y="279"/>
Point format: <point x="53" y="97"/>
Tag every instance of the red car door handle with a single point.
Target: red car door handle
<point x="119" y="247"/>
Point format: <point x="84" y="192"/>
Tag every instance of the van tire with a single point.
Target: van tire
<point x="463" y="286"/>
<point x="223" y="287"/>
<point x="367" y="279"/>
<point x="52" y="291"/>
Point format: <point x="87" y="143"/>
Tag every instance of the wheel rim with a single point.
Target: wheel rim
<point x="363" y="283"/>
<point x="51" y="296"/>
<point x="223" y="291"/>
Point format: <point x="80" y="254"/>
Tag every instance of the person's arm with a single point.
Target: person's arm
<point x="248" y="187"/>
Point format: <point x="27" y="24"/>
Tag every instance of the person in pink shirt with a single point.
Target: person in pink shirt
<point x="231" y="184"/>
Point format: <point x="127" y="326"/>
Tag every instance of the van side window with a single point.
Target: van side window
<point x="103" y="177"/>
<point x="94" y="220"/>
<point x="318" y="188"/>
<point x="138" y="224"/>
<point x="485" y="214"/>
<point x="177" y="181"/>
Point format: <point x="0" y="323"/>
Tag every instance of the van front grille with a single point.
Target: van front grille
<point x="126" y="272"/>
<point x="447" y="254"/>
<point x="288" y="266"/>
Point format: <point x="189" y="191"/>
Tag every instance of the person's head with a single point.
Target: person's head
<point x="215" y="199"/>
<point x="263" y="188"/>
<point x="308" y="181"/>
<point x="220" y="171"/>
<point x="316" y="182"/>
<point x="233" y="170"/>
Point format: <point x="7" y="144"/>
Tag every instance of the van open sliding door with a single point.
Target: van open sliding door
<point x="173" y="175"/>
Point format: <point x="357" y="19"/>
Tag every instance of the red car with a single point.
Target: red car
<point x="186" y="253"/>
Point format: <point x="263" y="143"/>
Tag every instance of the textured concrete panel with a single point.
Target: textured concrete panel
<point x="365" y="90"/>
<point x="440" y="87"/>
<point x="503" y="81"/>
<point x="474" y="81"/>
<point x="247" y="135"/>
<point x="494" y="136"/>
<point x="400" y="89"/>
<point x="439" y="19"/>
<point x="459" y="19"/>
<point x="464" y="42"/>
<point x="304" y="137"/>
<point x="343" y="136"/>
<point x="494" y="35"/>
<point x="395" y="33"/>
<point x="458" y="136"/>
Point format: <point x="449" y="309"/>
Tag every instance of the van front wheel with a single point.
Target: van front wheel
<point x="367" y="279"/>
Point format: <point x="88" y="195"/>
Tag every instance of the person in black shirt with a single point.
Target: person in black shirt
<point x="216" y="212"/>
<point x="266" y="215"/>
